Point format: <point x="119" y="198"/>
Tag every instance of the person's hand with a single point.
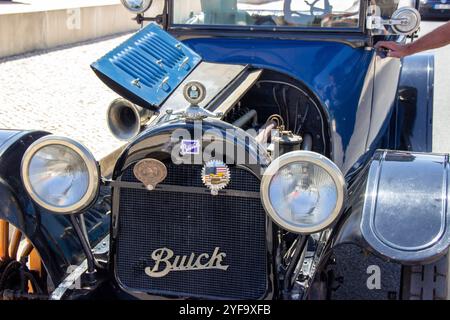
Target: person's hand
<point x="394" y="50"/>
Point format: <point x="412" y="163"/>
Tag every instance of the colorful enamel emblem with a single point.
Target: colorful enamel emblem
<point x="215" y="176"/>
<point x="150" y="172"/>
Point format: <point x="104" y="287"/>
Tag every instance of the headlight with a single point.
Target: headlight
<point x="303" y="192"/>
<point x="60" y="175"/>
<point x="137" y="6"/>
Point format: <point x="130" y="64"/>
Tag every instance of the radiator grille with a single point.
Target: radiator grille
<point x="189" y="222"/>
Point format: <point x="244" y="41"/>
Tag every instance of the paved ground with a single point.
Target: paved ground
<point x="441" y="129"/>
<point x="58" y="92"/>
<point x="22" y="6"/>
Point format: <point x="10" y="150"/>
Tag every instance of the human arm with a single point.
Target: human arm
<point x="437" y="38"/>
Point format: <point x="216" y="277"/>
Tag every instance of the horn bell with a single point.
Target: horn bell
<point x="126" y="120"/>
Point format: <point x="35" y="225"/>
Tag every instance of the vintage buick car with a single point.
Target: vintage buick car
<point x="261" y="136"/>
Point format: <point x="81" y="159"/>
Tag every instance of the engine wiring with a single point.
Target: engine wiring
<point x="285" y="104"/>
<point x="303" y="93"/>
<point x="276" y="101"/>
<point x="277" y="118"/>
<point x="297" y="131"/>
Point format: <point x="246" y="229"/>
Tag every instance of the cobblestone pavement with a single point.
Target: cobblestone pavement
<point x="58" y="92"/>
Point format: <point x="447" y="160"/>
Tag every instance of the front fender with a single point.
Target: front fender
<point x="29" y="223"/>
<point x="398" y="207"/>
<point x="414" y="107"/>
<point x="51" y="234"/>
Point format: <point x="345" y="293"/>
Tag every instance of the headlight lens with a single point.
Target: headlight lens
<point x="60" y="175"/>
<point x="137" y="6"/>
<point x="303" y="192"/>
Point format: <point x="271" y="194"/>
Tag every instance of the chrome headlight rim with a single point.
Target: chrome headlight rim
<point x="89" y="160"/>
<point x="309" y="157"/>
<point x="137" y="11"/>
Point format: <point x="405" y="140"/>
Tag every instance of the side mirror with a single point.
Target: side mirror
<point x="409" y="21"/>
<point x="405" y="21"/>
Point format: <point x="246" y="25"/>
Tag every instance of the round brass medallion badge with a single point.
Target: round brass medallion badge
<point x="150" y="172"/>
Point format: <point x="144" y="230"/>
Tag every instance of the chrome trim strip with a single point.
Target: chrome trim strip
<point x="172" y="188"/>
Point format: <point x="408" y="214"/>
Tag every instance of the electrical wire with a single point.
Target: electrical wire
<point x="304" y="93"/>
<point x="286" y="106"/>
<point x="276" y="101"/>
<point x="303" y="119"/>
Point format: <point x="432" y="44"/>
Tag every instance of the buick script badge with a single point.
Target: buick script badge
<point x="165" y="262"/>
<point x="150" y="172"/>
<point x="215" y="175"/>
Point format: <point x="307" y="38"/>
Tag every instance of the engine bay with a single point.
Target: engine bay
<point x="278" y="102"/>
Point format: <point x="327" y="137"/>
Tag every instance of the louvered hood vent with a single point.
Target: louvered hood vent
<point x="148" y="67"/>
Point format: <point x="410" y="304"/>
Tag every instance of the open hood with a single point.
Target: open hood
<point x="148" y="67"/>
<point x="151" y="69"/>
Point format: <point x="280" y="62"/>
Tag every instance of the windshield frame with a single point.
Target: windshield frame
<point x="268" y="29"/>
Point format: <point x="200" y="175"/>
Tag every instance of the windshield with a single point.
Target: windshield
<point x="284" y="13"/>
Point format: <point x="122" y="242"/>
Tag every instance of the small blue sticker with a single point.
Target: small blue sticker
<point x="190" y="147"/>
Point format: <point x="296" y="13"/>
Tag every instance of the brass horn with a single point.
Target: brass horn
<point x="126" y="120"/>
